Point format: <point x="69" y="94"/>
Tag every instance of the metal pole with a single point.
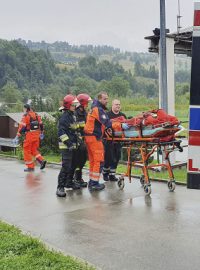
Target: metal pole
<point x="163" y="59"/>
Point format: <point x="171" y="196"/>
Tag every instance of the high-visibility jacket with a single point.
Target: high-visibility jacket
<point x="68" y="130"/>
<point x="97" y="121"/>
<point x="30" y="122"/>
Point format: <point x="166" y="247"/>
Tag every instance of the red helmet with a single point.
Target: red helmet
<point x="83" y="99"/>
<point x="69" y="100"/>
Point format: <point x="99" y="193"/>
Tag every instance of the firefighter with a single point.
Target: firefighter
<point x="112" y="150"/>
<point x="31" y="125"/>
<point x="69" y="141"/>
<point x="81" y="153"/>
<point x="96" y="124"/>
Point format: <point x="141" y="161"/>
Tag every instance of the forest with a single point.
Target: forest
<point x="43" y="73"/>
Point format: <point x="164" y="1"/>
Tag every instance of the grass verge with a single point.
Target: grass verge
<point x="180" y="174"/>
<point x="22" y="252"/>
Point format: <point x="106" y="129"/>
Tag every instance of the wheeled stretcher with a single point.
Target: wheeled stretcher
<point x="162" y="140"/>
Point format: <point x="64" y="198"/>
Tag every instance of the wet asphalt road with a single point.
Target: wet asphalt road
<point x="111" y="229"/>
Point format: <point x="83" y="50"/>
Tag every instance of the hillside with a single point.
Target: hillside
<point x="64" y="53"/>
<point x="31" y="71"/>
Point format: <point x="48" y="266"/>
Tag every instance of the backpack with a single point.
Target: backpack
<point x="34" y="123"/>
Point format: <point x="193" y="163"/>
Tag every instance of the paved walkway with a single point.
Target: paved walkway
<point x="112" y="229"/>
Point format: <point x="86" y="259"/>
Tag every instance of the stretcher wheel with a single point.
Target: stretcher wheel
<point x="142" y="180"/>
<point x="121" y="183"/>
<point x="147" y="189"/>
<point x="171" y="185"/>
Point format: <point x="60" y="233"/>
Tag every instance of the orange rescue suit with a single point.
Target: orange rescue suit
<point x="31" y="124"/>
<point x="96" y="123"/>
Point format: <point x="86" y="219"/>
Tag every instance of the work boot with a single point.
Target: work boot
<point x="73" y="185"/>
<point x="82" y="183"/>
<point x="60" y="192"/>
<point x="106" y="177"/>
<point x="113" y="178"/>
<point x="78" y="178"/>
<point x="95" y="186"/>
<point x="43" y="164"/>
<point x="29" y="170"/>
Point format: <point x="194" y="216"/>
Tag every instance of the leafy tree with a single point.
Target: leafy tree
<point x="87" y="61"/>
<point x="11" y="94"/>
<point x="138" y="70"/>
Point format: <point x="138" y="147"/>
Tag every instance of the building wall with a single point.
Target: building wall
<point x="4" y="126"/>
<point x="13" y="127"/>
<point x="8" y="127"/>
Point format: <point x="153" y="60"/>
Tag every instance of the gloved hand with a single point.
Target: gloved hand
<point x="16" y="140"/>
<point x="70" y="145"/>
<point x="41" y="136"/>
<point x="125" y="126"/>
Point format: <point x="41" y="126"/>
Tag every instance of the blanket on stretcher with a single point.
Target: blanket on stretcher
<point x="155" y="123"/>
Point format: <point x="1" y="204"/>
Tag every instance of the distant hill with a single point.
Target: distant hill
<point x="64" y="53"/>
<point x="43" y="71"/>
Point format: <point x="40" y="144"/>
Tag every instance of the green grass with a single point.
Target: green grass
<point x="22" y="252"/>
<point x="53" y="158"/>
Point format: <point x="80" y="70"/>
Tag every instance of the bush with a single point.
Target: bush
<point x="50" y="142"/>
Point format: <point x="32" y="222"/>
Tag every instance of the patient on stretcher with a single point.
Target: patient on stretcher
<point x="155" y="123"/>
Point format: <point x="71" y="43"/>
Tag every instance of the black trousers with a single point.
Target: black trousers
<point x="80" y="160"/>
<point x="66" y="174"/>
<point x="111" y="157"/>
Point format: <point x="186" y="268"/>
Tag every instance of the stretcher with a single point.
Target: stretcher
<point x="146" y="147"/>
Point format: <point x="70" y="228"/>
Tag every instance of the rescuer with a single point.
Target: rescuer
<point x="81" y="154"/>
<point x="112" y="149"/>
<point x="31" y="125"/>
<point x="96" y="124"/>
<point x="69" y="141"/>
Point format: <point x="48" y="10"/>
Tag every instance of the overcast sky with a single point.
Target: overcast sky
<point x="119" y="23"/>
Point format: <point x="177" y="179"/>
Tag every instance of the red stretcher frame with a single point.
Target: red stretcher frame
<point x="146" y="147"/>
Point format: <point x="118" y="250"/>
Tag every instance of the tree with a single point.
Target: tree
<point x="116" y="87"/>
<point x="84" y="85"/>
<point x="87" y="61"/>
<point x="138" y="70"/>
<point x="11" y="93"/>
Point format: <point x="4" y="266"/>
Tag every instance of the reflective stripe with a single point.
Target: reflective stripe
<point x="62" y="145"/>
<point x="93" y="179"/>
<point x="74" y="126"/>
<point x="81" y="124"/>
<point x="64" y="137"/>
<point x="105" y="170"/>
<point x="94" y="175"/>
<point x="28" y="162"/>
